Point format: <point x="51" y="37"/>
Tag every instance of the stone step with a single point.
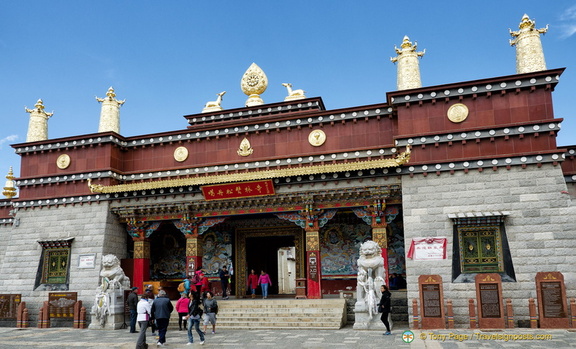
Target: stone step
<point x="279" y="313"/>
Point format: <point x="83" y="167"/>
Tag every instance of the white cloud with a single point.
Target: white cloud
<point x="8" y="139"/>
<point x="568" y="28"/>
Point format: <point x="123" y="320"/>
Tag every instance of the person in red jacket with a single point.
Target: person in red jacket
<point x="252" y="282"/>
<point x="182" y="309"/>
<point x="205" y="285"/>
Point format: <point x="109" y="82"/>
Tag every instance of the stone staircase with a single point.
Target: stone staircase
<point x="278" y="313"/>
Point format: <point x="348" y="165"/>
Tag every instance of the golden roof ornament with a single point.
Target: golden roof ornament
<point x="9" y="187"/>
<point x="254" y="82"/>
<point x="38" y="125"/>
<point x="214" y="105"/>
<point x="529" y="52"/>
<point x="408" y="75"/>
<point x="110" y="112"/>
<point x="293" y="94"/>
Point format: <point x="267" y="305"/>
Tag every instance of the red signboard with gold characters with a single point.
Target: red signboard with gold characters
<point x="238" y="190"/>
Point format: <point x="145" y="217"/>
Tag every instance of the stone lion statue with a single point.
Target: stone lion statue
<point x="370" y="276"/>
<point x="112" y="274"/>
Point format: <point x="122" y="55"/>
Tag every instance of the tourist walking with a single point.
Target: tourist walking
<point x="161" y="309"/>
<point x="384" y="307"/>
<point x="252" y="282"/>
<point x="182" y="309"/>
<point x="132" y="306"/>
<point x="265" y="282"/>
<point x="143" y="309"/>
<point x="193" y="318"/>
<point x="224" y="276"/>
<point x="150" y="296"/>
<point x="210" y="310"/>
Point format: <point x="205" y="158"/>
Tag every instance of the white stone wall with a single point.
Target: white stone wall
<point x="94" y="230"/>
<point x="541" y="227"/>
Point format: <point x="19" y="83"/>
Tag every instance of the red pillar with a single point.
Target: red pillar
<point x="314" y="274"/>
<point x="141" y="263"/>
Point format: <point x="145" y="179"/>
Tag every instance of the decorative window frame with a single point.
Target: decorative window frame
<point x="54" y="276"/>
<point x="481" y="226"/>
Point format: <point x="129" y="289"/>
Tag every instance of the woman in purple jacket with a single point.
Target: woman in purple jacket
<point x="265" y="282"/>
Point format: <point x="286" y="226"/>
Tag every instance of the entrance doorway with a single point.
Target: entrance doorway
<point x="262" y="253"/>
<point x="258" y="249"/>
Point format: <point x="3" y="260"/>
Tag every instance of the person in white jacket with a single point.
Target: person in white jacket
<point x="143" y="308"/>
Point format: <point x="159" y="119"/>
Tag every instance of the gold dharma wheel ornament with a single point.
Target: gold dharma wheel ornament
<point x="180" y="154"/>
<point x="316" y="138"/>
<point x="457" y="112"/>
<point x="63" y="161"/>
<point x="254" y="82"/>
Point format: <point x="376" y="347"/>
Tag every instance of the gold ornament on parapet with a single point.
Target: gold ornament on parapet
<point x="316" y="138"/>
<point x="63" y="161"/>
<point x="457" y="112"/>
<point x="180" y="154"/>
<point x="245" y="148"/>
<point x="254" y="82"/>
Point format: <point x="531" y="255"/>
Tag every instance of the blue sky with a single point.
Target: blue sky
<point x="168" y="58"/>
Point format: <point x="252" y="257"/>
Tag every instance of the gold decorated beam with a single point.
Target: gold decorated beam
<point x="401" y="159"/>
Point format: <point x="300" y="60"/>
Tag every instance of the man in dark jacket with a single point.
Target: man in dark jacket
<point x="132" y="304"/>
<point x="161" y="309"/>
<point x="224" y="276"/>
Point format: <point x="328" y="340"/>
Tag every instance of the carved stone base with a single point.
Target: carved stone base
<point x="364" y="322"/>
<point x="115" y="320"/>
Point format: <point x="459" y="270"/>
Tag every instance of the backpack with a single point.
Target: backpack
<point x="181" y="287"/>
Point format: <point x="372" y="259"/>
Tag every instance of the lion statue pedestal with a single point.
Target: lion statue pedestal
<point x="370" y="278"/>
<point x="108" y="309"/>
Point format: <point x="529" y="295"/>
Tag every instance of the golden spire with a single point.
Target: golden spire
<point x="408" y="66"/>
<point x="38" y="125"/>
<point x="254" y="83"/>
<point x="110" y="112"/>
<point x="529" y="52"/>
<point x="9" y="187"/>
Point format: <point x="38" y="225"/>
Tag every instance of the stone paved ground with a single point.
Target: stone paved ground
<point x="343" y="338"/>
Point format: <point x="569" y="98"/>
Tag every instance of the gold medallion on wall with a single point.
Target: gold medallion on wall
<point x="457" y="112"/>
<point x="180" y="154"/>
<point x="63" y="161"/>
<point x="316" y="138"/>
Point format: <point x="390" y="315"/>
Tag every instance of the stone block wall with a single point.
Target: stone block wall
<point x="541" y="227"/>
<point x="94" y="230"/>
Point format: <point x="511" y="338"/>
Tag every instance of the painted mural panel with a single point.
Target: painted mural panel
<point x="217" y="250"/>
<point x="339" y="247"/>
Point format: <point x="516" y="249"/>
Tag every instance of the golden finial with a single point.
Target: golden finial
<point x="110" y="112"/>
<point x="38" y="125"/>
<point x="529" y="52"/>
<point x="9" y="188"/>
<point x="254" y="82"/>
<point x="408" y="66"/>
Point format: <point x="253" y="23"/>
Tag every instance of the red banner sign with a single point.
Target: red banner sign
<point x="238" y="190"/>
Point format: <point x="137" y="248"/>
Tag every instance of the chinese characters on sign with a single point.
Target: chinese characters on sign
<point x="427" y="248"/>
<point x="238" y="190"/>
